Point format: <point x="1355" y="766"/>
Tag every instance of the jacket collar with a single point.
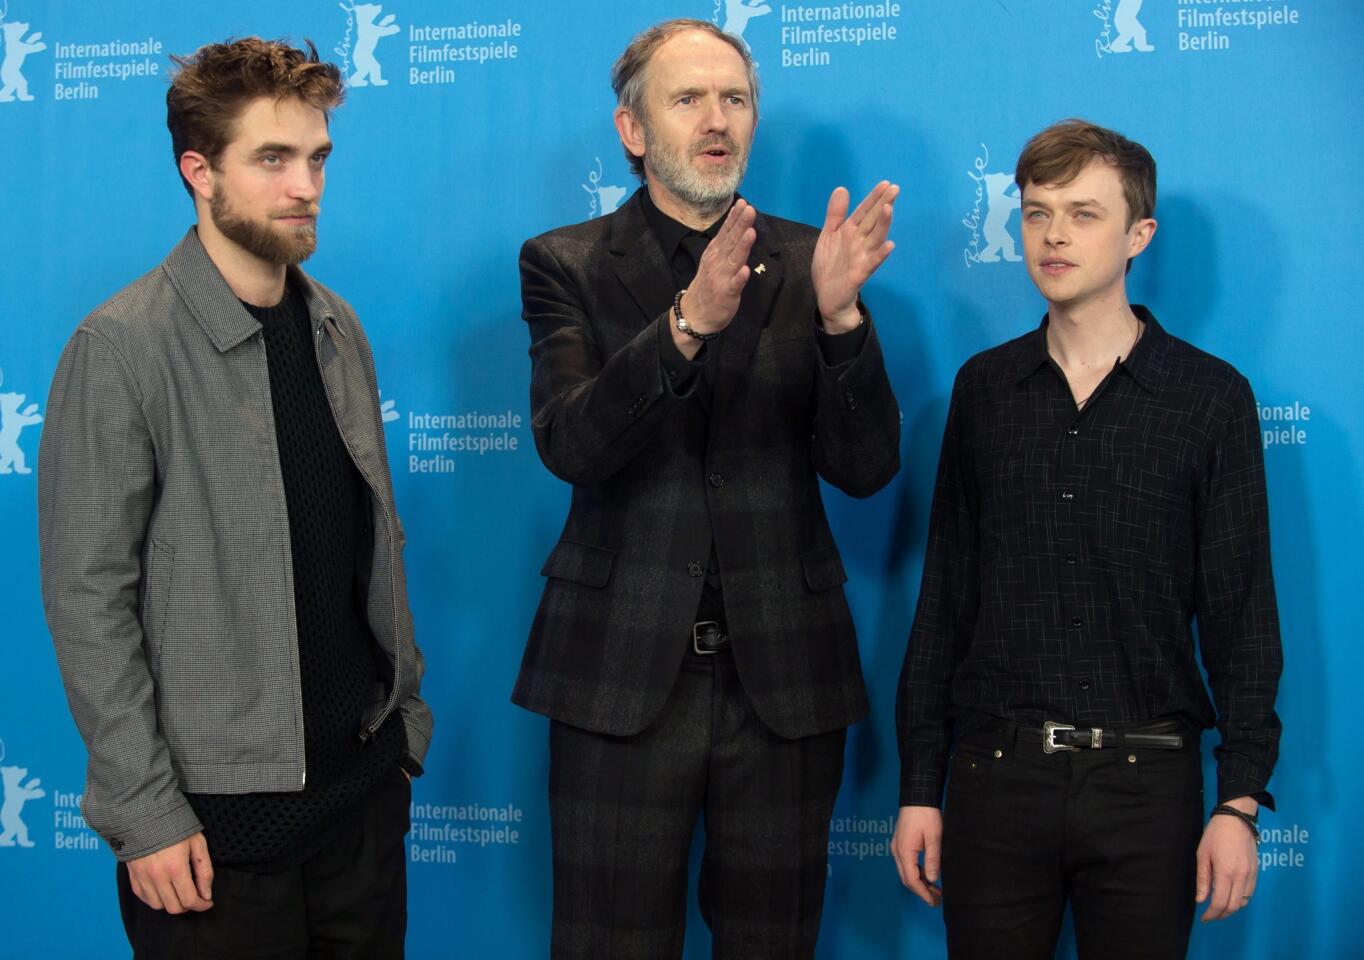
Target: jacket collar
<point x="202" y="287"/>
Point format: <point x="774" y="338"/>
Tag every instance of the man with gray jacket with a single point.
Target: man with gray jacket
<point x="221" y="555"/>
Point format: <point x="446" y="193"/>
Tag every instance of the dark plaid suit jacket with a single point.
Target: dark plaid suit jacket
<point x="655" y="474"/>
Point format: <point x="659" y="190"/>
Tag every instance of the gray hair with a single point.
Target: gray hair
<point x="628" y="73"/>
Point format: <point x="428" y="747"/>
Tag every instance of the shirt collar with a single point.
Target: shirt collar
<point x="671" y="232"/>
<point x="1145" y="364"/>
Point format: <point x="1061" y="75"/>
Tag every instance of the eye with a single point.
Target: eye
<point x="1036" y="215"/>
<point x="687" y="100"/>
<point x="1085" y="215"/>
<point x="319" y="159"/>
<point x="737" y="101"/>
<point x="271" y="160"/>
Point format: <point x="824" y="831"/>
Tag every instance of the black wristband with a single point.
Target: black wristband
<point x="682" y="321"/>
<point x="1226" y="809"/>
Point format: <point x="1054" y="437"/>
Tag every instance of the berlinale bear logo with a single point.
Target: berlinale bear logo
<point x="14" y="416"/>
<point x="13" y="86"/>
<point x="13" y="830"/>
<point x="996" y="199"/>
<point x="363" y="19"/>
<point x="1131" y="35"/>
<point x="605" y="198"/>
<point x="738" y="13"/>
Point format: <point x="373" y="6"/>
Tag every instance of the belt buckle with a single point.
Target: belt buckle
<point x="696" y="637"/>
<point x="1049" y="731"/>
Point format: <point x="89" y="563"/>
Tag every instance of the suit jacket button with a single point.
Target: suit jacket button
<point x="716" y="480"/>
<point x="696" y="569"/>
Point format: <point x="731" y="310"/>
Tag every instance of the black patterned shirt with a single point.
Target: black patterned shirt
<point x="1070" y="552"/>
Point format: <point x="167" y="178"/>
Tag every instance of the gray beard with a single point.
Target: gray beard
<point x="286" y="249"/>
<point x="709" y="196"/>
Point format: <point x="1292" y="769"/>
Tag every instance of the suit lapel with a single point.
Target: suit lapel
<point x="755" y="308"/>
<point x="637" y="259"/>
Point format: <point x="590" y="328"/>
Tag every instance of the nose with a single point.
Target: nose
<point x="305" y="183"/>
<point x="714" y="120"/>
<point x="1056" y="235"/>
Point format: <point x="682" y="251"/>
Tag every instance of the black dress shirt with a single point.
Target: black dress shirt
<point x="1070" y="551"/>
<point x="682" y="250"/>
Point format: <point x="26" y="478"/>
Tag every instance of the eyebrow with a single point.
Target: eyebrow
<point x="288" y="150"/>
<point x="1073" y="205"/>
<point x="695" y="91"/>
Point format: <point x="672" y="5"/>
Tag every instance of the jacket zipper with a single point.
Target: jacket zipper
<point x="368" y="733"/>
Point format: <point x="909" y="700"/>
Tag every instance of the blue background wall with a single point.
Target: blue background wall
<point x="432" y="189"/>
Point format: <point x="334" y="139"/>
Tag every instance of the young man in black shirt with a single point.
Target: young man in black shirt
<point x="1101" y="485"/>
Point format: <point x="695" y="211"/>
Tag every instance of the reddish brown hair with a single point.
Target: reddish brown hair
<point x="1058" y="154"/>
<point x="214" y="84"/>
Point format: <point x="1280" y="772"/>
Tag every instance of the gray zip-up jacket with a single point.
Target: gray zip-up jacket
<point x="166" y="568"/>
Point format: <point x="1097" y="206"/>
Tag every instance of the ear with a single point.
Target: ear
<point x="1139" y="236"/>
<point x="631" y="131"/>
<point x="195" y="168"/>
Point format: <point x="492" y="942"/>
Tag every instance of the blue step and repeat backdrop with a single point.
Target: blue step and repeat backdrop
<point x="474" y="124"/>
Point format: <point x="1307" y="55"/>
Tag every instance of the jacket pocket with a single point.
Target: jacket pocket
<point x="579" y="563"/>
<point x="823" y="569"/>
<point x="158" y="575"/>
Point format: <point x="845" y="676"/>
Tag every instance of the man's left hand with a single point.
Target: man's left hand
<point x="849" y="250"/>
<point x="1227" y="863"/>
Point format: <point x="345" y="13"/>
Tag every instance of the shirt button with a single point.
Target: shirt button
<point x="1067" y="496"/>
<point x="1084" y="684"/>
<point x="716" y="480"/>
<point x="1073" y="432"/>
<point x="696" y="569"/>
<point x="1076" y="621"/>
<point x="1071" y="559"/>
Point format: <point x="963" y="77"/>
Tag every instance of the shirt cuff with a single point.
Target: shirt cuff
<point x="840" y="348"/>
<point x="677" y="369"/>
<point x="1231" y="789"/>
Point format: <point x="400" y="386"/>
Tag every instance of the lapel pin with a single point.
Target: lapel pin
<point x="760" y="268"/>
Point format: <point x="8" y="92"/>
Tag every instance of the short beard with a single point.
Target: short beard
<point x="709" y="196"/>
<point x="287" y="248"/>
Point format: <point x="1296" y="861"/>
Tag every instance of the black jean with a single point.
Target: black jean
<point x="348" y="901"/>
<point x="1114" y="832"/>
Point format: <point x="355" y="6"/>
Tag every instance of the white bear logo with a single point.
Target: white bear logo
<point x="14" y="416"/>
<point x="1130" y="32"/>
<point x="13" y="830"/>
<point x="605" y="199"/>
<point x="1003" y="201"/>
<point x="17" y="48"/>
<point x="739" y="12"/>
<point x="369" y="31"/>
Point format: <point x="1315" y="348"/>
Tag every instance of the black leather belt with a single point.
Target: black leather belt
<point x="1056" y="737"/>
<point x="709" y="637"/>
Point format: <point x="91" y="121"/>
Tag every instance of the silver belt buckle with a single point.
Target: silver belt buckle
<point x="696" y="639"/>
<point x="1049" y="731"/>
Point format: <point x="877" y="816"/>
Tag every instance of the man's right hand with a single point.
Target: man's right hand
<point x="177" y="879"/>
<point x="919" y="831"/>
<point x="712" y="299"/>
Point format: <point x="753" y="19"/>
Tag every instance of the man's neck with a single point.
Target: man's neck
<point x="694" y="217"/>
<point x="1091" y="335"/>
<point x="258" y="282"/>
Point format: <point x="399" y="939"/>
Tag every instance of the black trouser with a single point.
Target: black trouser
<point x="1114" y="831"/>
<point x="623" y="809"/>
<point x="346" y="902"/>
